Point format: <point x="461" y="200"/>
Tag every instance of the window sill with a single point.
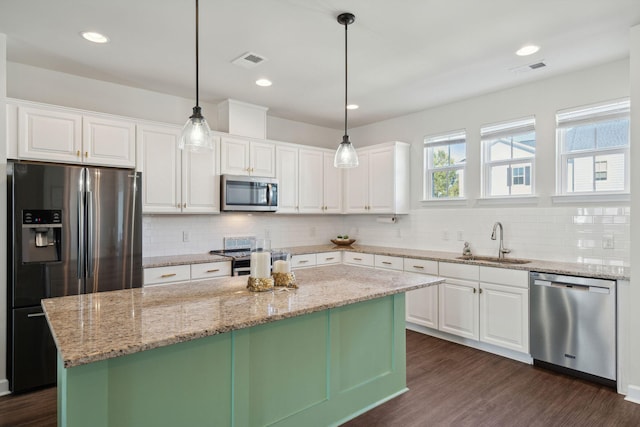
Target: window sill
<point x="591" y="198"/>
<point x="509" y="200"/>
<point x="445" y="202"/>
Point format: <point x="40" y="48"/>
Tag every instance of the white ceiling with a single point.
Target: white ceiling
<point x="404" y="55"/>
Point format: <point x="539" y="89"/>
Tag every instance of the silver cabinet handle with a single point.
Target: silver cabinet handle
<point x="164" y="276"/>
<point x="35" y="315"/>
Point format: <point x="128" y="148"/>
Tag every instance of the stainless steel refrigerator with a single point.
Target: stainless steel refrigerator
<point x="70" y="230"/>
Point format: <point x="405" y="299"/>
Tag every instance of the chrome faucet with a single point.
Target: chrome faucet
<point x="501" y="250"/>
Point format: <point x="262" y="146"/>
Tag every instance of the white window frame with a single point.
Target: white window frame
<point x="586" y="115"/>
<point x="449" y="138"/>
<point x="491" y="132"/>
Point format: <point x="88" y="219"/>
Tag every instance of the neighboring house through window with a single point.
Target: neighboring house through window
<point x="509" y="151"/>
<point x="444" y="162"/>
<point x="593" y="147"/>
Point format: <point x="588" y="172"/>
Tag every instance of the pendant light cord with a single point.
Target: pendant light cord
<point x="346" y="83"/>
<point x="197" y="58"/>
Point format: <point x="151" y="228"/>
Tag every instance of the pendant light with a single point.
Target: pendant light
<point x="196" y="134"/>
<point x="346" y="156"/>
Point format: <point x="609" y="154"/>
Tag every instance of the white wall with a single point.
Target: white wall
<point x="4" y="386"/>
<point x="632" y="338"/>
<point x="302" y="133"/>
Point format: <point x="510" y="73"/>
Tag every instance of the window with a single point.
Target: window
<point x="509" y="151"/>
<point x="593" y="147"/>
<point x="444" y="161"/>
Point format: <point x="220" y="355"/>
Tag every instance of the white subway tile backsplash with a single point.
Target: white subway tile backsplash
<point x="552" y="233"/>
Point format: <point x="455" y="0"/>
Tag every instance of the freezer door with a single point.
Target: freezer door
<point x="114" y="229"/>
<point x="31" y="187"/>
<point x="32" y="350"/>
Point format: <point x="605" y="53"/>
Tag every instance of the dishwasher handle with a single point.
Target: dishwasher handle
<point x="571" y="286"/>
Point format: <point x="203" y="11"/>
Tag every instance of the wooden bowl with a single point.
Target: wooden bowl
<point x="343" y="242"/>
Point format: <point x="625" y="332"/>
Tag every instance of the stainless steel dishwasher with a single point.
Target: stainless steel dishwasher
<point x="573" y="325"/>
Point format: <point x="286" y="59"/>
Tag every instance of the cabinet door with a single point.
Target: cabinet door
<point x="287" y="173"/>
<point x="161" y="168"/>
<point x="422" y="307"/>
<point x="310" y="197"/>
<point x="332" y="185"/>
<point x="234" y="156"/>
<point x="262" y="159"/>
<point x="108" y="142"/>
<point x="504" y="316"/>
<point x="200" y="183"/>
<point x="50" y="135"/>
<point x="458" y="308"/>
<point x="357" y="186"/>
<point x="381" y="180"/>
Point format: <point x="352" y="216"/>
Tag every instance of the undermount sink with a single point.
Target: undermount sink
<point x="495" y="259"/>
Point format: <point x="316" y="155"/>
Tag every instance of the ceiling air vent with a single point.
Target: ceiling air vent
<point x="529" y="67"/>
<point x="249" y="60"/>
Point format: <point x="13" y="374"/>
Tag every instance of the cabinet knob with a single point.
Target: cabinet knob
<point x="184" y="206"/>
<point x="86" y="154"/>
<point x="474" y="290"/>
<point x="480" y="290"/>
<point x="78" y="153"/>
<point x="178" y="205"/>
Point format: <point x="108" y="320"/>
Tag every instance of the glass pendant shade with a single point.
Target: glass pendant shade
<point x="196" y="134"/>
<point x="346" y="156"/>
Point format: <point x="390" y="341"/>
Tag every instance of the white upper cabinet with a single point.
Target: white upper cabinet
<point x="287" y="174"/>
<point x="319" y="183"/>
<point x="57" y="134"/>
<point x="381" y="183"/>
<point x="175" y="181"/>
<point x="240" y="156"/>
<point x="109" y="142"/>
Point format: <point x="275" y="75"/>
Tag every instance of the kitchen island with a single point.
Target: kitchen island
<point x="213" y="354"/>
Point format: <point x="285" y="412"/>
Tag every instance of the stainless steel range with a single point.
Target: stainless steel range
<point x="239" y="250"/>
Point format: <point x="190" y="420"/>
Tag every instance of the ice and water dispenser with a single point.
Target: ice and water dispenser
<point x="41" y="234"/>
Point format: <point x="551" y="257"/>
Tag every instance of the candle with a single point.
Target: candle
<point x="260" y="264"/>
<point x="281" y="266"/>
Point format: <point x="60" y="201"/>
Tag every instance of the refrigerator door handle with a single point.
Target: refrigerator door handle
<point x="81" y="232"/>
<point x="90" y="232"/>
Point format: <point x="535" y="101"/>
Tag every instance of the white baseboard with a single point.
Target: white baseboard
<point x="633" y="394"/>
<point x="490" y="348"/>
<point x="4" y="387"/>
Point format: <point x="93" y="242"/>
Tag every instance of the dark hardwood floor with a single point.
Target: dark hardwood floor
<point x="449" y="385"/>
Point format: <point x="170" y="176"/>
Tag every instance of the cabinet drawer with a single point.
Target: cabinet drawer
<point x="358" y="259"/>
<point x="174" y="273"/>
<point x="328" y="258"/>
<point x="389" y="262"/>
<point x="306" y="260"/>
<point x="421" y="266"/>
<point x="210" y="270"/>
<point x="459" y="271"/>
<point x="504" y="276"/>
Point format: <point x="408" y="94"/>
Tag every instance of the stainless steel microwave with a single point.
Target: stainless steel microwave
<point x="249" y="193"/>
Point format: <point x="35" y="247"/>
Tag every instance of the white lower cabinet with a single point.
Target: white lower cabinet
<point x="504" y="308"/>
<point x="303" y="260"/>
<point x="422" y="304"/>
<point x="458" y="308"/>
<point x="186" y="272"/>
<point x="326" y="258"/>
<point x="357" y="258"/>
<point x="388" y="262"/>
<point x="165" y="275"/>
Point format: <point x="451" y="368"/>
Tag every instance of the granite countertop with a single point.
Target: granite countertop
<point x="570" y="268"/>
<point x="93" y="327"/>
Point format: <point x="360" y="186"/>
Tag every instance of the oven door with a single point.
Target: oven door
<point x="249" y="193"/>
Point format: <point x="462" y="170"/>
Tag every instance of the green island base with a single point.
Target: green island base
<point x="318" y="369"/>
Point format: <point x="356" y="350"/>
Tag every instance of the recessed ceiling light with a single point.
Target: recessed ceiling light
<point x="353" y="107"/>
<point x="527" y="50"/>
<point x="94" y="37"/>
<point x="263" y="82"/>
